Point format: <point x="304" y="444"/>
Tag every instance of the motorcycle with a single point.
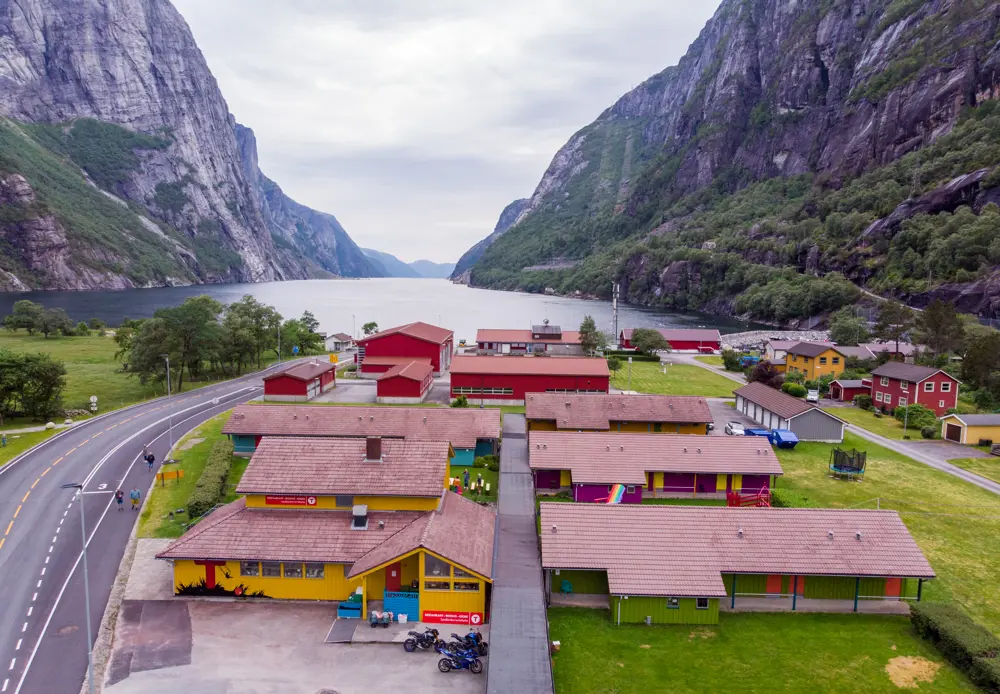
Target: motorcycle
<point x="472" y="641"/>
<point x="458" y="660"/>
<point x="426" y="640"/>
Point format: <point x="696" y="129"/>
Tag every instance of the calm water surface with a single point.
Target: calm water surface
<point x="345" y="305"/>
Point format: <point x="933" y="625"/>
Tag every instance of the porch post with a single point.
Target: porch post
<point x="694" y="490"/>
<point x="857" y="591"/>
<point x="795" y="590"/>
<point x="732" y="603"/>
<point x="920" y="588"/>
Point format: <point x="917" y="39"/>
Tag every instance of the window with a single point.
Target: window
<point x="435" y="567"/>
<point x="470" y="586"/>
<point x="673" y="603"/>
<point x="822" y="360"/>
<point x="630" y="489"/>
<point x="270" y="569"/>
<point x="315" y="571"/>
<point x="836" y="360"/>
<point x="795" y="357"/>
<point x="887" y="399"/>
<point x="946" y="387"/>
<point x="347" y="569"/>
<point x="929" y="387"/>
<point x="657" y="427"/>
<point x="878" y="396"/>
<point x="344" y="501"/>
<point x="940" y="403"/>
<point x="359" y="522"/>
<point x="884" y="381"/>
<point x="458" y="573"/>
<point x="249" y="568"/>
<point x="293" y="570"/>
<point x="805" y="359"/>
<point x="904" y="386"/>
<point x="902" y="402"/>
<point x="701" y="603"/>
<point x="437" y="585"/>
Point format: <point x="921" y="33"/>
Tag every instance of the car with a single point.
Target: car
<point x="734" y="429"/>
<point x="812" y="396"/>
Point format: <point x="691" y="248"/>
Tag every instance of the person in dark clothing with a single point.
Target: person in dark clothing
<point x="150" y="459"/>
<point x="120" y="498"/>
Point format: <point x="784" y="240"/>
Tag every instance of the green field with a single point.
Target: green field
<point x="744" y="653"/>
<point x="886" y="425"/>
<point x="680" y="379"/>
<point x="955" y="523"/>
<point x="19" y="443"/>
<point x="711" y="360"/>
<point x="986" y="467"/>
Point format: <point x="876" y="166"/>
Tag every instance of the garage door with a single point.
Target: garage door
<point x="953" y="432"/>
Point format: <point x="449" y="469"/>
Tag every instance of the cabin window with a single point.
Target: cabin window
<point x="347" y="569"/>
<point x="673" y="603"/>
<point x="270" y="569"/>
<point x="249" y="568"/>
<point x="795" y="357"/>
<point x="946" y="387"/>
<point x="902" y="402"/>
<point x="657" y="427"/>
<point x="878" y="396"/>
<point x="929" y="387"/>
<point x="940" y="403"/>
<point x="437" y="585"/>
<point x="701" y="603"/>
<point x="822" y="360"/>
<point x="884" y="381"/>
<point x="315" y="571"/>
<point x="435" y="567"/>
<point x="630" y="489"/>
<point x="344" y="501"/>
<point x="887" y="399"/>
<point x="458" y="573"/>
<point x="905" y="386"/>
<point x="836" y="360"/>
<point x="469" y="586"/>
<point x="293" y="570"/>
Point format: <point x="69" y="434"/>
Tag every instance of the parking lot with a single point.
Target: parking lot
<point x="722" y="412"/>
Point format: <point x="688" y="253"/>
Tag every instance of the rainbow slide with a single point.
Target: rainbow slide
<point x="617" y="492"/>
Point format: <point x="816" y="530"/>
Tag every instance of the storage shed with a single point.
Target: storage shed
<point x="681" y="339"/>
<point x="405" y="384"/>
<point x="971" y="429"/>
<point x="777" y="410"/>
<point x="499" y="380"/>
<point x="300" y="382"/>
<point x="844" y="390"/>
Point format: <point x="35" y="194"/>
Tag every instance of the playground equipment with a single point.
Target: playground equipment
<point x="615" y="497"/>
<point x="849" y="464"/>
<point x="761" y="498"/>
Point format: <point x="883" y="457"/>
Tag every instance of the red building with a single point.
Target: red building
<point x="374" y="367"/>
<point x="301" y="382"/>
<point x="405" y="384"/>
<point x="414" y="341"/>
<point x="895" y="384"/>
<point x="845" y="390"/>
<point x="499" y="380"/>
<point x="681" y="339"/>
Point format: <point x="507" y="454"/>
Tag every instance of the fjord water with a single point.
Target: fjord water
<point x="345" y="305"/>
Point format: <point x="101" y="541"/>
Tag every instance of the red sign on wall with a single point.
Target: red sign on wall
<point x="473" y="618"/>
<point x="282" y="500"/>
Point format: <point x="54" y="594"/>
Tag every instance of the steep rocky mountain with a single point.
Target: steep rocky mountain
<point x="121" y="164"/>
<point x="508" y="218"/>
<point x="391" y="265"/>
<point x="798" y="151"/>
<point x="432" y="270"/>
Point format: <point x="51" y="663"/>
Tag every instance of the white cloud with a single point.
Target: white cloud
<point x="416" y="122"/>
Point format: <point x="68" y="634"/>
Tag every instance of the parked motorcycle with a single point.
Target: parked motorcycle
<point x="426" y="640"/>
<point x="458" y="660"/>
<point x="472" y="641"/>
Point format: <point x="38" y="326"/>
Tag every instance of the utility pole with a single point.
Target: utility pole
<point x="630" y="375"/>
<point x="86" y="586"/>
<point x="170" y="413"/>
<point x="279" y="341"/>
<point x="614" y="308"/>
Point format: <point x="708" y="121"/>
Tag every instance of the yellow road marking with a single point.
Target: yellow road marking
<point x="17" y="511"/>
<point x="83" y="443"/>
<point x="25" y="497"/>
<point x="58" y="460"/>
<point x="71" y="450"/>
<point x="46" y="471"/>
<point x="2" y="540"/>
<point x="97" y="434"/>
<point x="36" y="482"/>
<point x="9" y="526"/>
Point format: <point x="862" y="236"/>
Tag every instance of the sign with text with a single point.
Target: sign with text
<point x="282" y="500"/>
<point x="432" y="617"/>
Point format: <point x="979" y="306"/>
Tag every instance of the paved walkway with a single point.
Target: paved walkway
<point x="519" y="642"/>
<point x="815" y="605"/>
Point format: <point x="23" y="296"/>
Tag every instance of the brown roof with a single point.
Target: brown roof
<point x="607" y="458"/>
<point x="304" y="372"/>
<point x="859" y="352"/>
<point x="462" y="427"/>
<point x="908" y="372"/>
<point x="328" y="466"/>
<point x="683" y="550"/>
<point x="687" y="334"/>
<point x="569" y="337"/>
<point x="460" y="530"/>
<point x="775" y="401"/>
<point x="414" y="370"/>
<point x="392" y="361"/>
<point x="530" y="366"/>
<point x="418" y="330"/>
<point x="811" y="349"/>
<point x="235" y="532"/>
<point x="597" y="411"/>
<point x="342" y="337"/>
<point x="905" y="348"/>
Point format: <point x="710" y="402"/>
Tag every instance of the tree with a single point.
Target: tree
<point x="894" y="320"/>
<point x="30" y="385"/>
<point x="589" y="335"/>
<point x="24" y="316"/>
<point x="309" y="322"/>
<point x="941" y="328"/>
<point x="193" y="333"/>
<point x="53" y="320"/>
<point x="260" y="321"/>
<point x="460" y="401"/>
<point x="614" y="364"/>
<point x="649" y="341"/>
<point x="731" y="360"/>
<point x="81" y="329"/>
<point x="981" y="358"/>
<point x="369" y="328"/>
<point x="765" y="372"/>
<point x="97" y="325"/>
<point x="848" y="329"/>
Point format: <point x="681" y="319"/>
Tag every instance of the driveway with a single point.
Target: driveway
<point x="723" y="412"/>
<point x="948" y="450"/>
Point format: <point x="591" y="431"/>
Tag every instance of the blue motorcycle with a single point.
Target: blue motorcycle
<point x="473" y="641"/>
<point x="458" y="660"/>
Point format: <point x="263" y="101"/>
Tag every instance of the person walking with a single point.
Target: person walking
<point x="120" y="498"/>
<point x="150" y="459"/>
<point x="134" y="495"/>
<point x="145" y="451"/>
<point x="465" y="478"/>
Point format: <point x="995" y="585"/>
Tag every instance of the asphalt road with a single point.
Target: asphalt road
<point x="43" y="643"/>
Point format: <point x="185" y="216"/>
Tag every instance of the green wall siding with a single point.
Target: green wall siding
<point x="463" y="457"/>
<point x="589" y="582"/>
<point x="820" y="587"/>
<point x="635" y="609"/>
<point x="829" y="587"/>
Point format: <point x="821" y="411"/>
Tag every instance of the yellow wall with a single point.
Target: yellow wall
<point x="541" y="425"/>
<point x="657" y="480"/>
<point x="812" y="368"/>
<point x="720" y="483"/>
<point x="374" y="503"/>
<point x="565" y="478"/>
<point x="333" y="585"/>
<point x="973" y="434"/>
<point x="450" y="600"/>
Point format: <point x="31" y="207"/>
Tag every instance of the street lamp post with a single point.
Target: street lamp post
<point x="630" y="374"/>
<point x="86" y="586"/>
<point x="170" y="414"/>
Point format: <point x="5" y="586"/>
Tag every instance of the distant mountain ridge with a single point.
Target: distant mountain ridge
<point x="394" y="267"/>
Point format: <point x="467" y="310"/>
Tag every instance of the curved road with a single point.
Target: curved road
<point x="43" y="644"/>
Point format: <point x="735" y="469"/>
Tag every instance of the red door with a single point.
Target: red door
<point x="774" y="584"/>
<point x="392" y="577"/>
<point x="892" y="586"/>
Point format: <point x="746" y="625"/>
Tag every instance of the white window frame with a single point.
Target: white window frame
<point x="928" y="386"/>
<point x="630" y="489"/>
<point x="250" y="568"/>
<point x="884" y="381"/>
<point x="887" y="398"/>
<point x="946" y="386"/>
<point x="673" y="603"/>
<point x="822" y="360"/>
<point x="698" y="603"/>
<point x="878" y="396"/>
<point x="904" y="386"/>
<point x="902" y="402"/>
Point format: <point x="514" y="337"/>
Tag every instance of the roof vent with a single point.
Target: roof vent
<point x="858" y="535"/>
<point x="699" y="450"/>
<point x="371" y="418"/>
<point x="373" y="449"/>
<point x="425" y="419"/>
<point x="758" y="451"/>
<point x="622" y="448"/>
<point x="545" y="446"/>
<point x="360" y="418"/>
<point x="381" y="525"/>
<point x="670" y="405"/>
<point x="295" y="416"/>
<point x="554" y="529"/>
<point x="829" y="534"/>
<point x="568" y="403"/>
<point x="739" y="532"/>
<point x="307" y="418"/>
<point x="685" y="449"/>
<point x="608" y="448"/>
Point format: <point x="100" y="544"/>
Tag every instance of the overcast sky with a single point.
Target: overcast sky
<point x="416" y="121"/>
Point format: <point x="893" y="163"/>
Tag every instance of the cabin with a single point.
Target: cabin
<point x="971" y="429"/>
<point x="843" y="390"/>
<point x="814" y="360"/>
<point x="776" y="410"/>
<point x="339" y="342"/>
<point x="413" y="341"/>
<point x="653" y="414"/>
<point x="501" y="380"/>
<point x="588" y="464"/>
<point x="300" y="382"/>
<point x="895" y="384"/>
<point x="405" y="384"/>
<point x="665" y="564"/>
<point x="705" y="340"/>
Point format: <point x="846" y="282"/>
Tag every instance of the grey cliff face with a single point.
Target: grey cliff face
<point x="508" y="218"/>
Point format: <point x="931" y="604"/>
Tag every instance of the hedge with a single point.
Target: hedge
<point x="211" y="486"/>
<point x="970" y="647"/>
<point x="636" y="356"/>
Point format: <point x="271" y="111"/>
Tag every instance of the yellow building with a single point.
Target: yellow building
<point x="814" y="360"/>
<point x="970" y="429"/>
<point x="340" y="519"/>
<point x="636" y="414"/>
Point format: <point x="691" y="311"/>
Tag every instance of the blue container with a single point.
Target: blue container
<point x="756" y="431"/>
<point x="783" y="438"/>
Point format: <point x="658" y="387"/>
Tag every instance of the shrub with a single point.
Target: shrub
<point x="490" y="462"/>
<point x="614" y="363"/>
<point x="971" y="648"/>
<point x="928" y="432"/>
<point x="863" y="401"/>
<point x="460" y="401"/>
<point x="82" y="330"/>
<point x="786" y="385"/>
<point x="211" y="486"/>
<point x="796" y="390"/>
<point x="731" y="360"/>
<point x="636" y="356"/>
<point x="786" y="498"/>
<point x="795" y="376"/>
<point x="915" y="415"/>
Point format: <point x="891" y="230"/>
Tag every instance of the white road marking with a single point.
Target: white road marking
<point x="34" y="597"/>
<point x="43" y="568"/>
<point x="54" y="538"/>
<point x="30" y="608"/>
<point x="18" y="646"/>
<point x="24" y="627"/>
<point x="46" y="560"/>
<point x="69" y="506"/>
<point x="62" y="520"/>
<point x="12" y="661"/>
<point x="5" y="683"/>
<point x="50" y="549"/>
<point x="39" y="584"/>
<point x="57" y="530"/>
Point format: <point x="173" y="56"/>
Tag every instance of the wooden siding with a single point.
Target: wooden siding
<point x="635" y="609"/>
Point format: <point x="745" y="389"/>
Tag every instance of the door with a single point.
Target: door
<point x="953" y="432"/>
<point x="393" y="572"/>
<point x="892" y="586"/>
<point x="774" y="585"/>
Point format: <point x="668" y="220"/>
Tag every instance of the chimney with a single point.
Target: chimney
<point x="554" y="530"/>
<point x="373" y="449"/>
<point x="739" y="532"/>
<point x="359" y="517"/>
<point x="830" y="534"/>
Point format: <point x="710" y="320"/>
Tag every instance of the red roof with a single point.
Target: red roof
<point x="530" y="366"/>
<point x="569" y="337"/>
<point x="418" y="330"/>
<point x="609" y="458"/>
<point x="304" y="372"/>
<point x="683" y="550"/>
<point x="461" y="426"/>
<point x="909" y="372"/>
<point x="392" y="361"/>
<point x="414" y="371"/>
<point x="597" y="411"/>
<point x="682" y="334"/>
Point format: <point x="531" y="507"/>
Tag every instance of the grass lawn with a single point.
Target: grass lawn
<point x="711" y="360"/>
<point x="19" y="443"/>
<point x="744" y="652"/>
<point x="680" y="379"/>
<point x="987" y="467"/>
<point x="955" y="523"/>
<point x="886" y="425"/>
<point x="491" y="478"/>
<point x="155" y="520"/>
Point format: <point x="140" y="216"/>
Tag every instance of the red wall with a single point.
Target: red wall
<point x="399" y="387"/>
<point x="524" y="384"/>
<point x="684" y="344"/>
<point x="916" y="393"/>
<point x="399" y="345"/>
<point x="847" y="394"/>
<point x="283" y="385"/>
<point x="327" y="378"/>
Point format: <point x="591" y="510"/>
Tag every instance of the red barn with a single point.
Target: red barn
<point x="301" y="382"/>
<point x="499" y="380"/>
<point x="405" y="384"/>
<point x="844" y="390"/>
<point x="895" y="384"/>
<point x="413" y="340"/>
<point x="374" y="367"/>
<point x="681" y="339"/>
